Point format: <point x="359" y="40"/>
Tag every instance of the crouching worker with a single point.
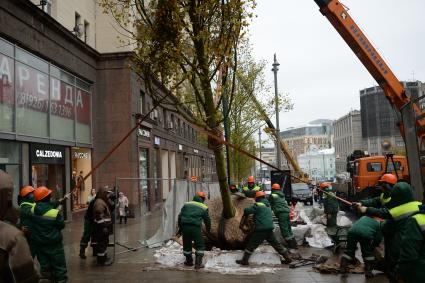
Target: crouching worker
<point x="367" y="232"/>
<point x="263" y="230"/>
<point x="190" y="222"/>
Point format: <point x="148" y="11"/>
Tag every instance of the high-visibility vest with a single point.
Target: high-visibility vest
<point x="420" y="219"/>
<point x="199" y="204"/>
<point x="32" y="204"/>
<point x="405" y="210"/>
<point x="384" y="200"/>
<point x="50" y="214"/>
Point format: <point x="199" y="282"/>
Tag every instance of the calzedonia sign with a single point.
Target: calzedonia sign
<point x="47" y="154"/>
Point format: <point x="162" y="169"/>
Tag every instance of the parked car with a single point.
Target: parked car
<point x="301" y="192"/>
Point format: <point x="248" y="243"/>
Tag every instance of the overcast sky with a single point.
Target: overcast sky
<point x="317" y="68"/>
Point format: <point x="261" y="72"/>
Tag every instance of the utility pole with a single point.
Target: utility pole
<point x="259" y="141"/>
<point x="276" y="95"/>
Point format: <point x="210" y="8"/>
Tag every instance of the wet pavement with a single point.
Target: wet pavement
<point x="140" y="266"/>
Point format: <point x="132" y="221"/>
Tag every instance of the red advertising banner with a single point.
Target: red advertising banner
<point x="32" y="88"/>
<point x="83" y="104"/>
<point x="6" y="80"/>
<point x="61" y="99"/>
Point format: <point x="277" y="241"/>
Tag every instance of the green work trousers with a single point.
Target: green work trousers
<point x="331" y="220"/>
<point x="258" y="237"/>
<point x="85" y="238"/>
<point x="192" y="233"/>
<point x="367" y="246"/>
<point x="285" y="225"/>
<point x="52" y="261"/>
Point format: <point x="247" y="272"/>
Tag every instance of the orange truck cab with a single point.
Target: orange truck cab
<point x="368" y="170"/>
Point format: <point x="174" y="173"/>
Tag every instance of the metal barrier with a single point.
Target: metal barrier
<point x="156" y="218"/>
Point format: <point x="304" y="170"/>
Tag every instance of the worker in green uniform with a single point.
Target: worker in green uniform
<point x="281" y="211"/>
<point x="264" y="227"/>
<point x="47" y="237"/>
<point x="233" y="188"/>
<point x="411" y="263"/>
<point x="190" y="222"/>
<point x="378" y="206"/>
<point x="330" y="205"/>
<point x="367" y="232"/>
<point x="26" y="203"/>
<point x="402" y="207"/>
<point x="250" y="190"/>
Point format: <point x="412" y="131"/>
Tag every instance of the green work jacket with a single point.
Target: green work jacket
<point x="250" y="191"/>
<point x="193" y="213"/>
<point x="278" y="202"/>
<point x="47" y="224"/>
<point x="262" y="212"/>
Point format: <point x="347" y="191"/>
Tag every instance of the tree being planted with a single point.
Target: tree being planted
<point x="185" y="45"/>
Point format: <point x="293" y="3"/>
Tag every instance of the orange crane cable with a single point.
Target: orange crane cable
<point x="109" y="153"/>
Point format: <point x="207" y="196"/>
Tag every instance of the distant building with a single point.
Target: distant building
<point x="319" y="164"/>
<point x="268" y="154"/>
<point x="347" y="138"/>
<point x="318" y="133"/>
<point x="379" y="119"/>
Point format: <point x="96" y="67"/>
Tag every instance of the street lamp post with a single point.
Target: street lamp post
<point x="275" y="69"/>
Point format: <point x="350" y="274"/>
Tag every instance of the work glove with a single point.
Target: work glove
<point x="362" y="209"/>
<point x="355" y="205"/>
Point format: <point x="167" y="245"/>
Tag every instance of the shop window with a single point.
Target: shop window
<point x="62" y="110"/>
<point x="81" y="189"/>
<point x="143" y="175"/>
<point x="7" y="93"/>
<point x="83" y="121"/>
<point x="10" y="162"/>
<point x="32" y="96"/>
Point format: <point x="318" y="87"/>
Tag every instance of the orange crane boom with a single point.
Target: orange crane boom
<point x="413" y="126"/>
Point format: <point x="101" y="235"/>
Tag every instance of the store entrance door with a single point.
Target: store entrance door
<point x="51" y="176"/>
<point x="47" y="168"/>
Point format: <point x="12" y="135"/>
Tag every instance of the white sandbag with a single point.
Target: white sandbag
<point x="300" y="232"/>
<point x="319" y="238"/>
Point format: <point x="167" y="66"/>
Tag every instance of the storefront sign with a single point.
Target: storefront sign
<point x="144" y="133"/>
<point x="81" y="155"/>
<point x="47" y="154"/>
<point x="157" y="141"/>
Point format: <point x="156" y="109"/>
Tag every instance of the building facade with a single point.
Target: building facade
<point x="268" y="154"/>
<point x="347" y="138"/>
<point x="319" y="164"/>
<point x="64" y="104"/>
<point x="379" y="119"/>
<point x="318" y="133"/>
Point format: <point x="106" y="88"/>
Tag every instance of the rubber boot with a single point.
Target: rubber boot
<point x="189" y="260"/>
<point x="83" y="252"/>
<point x="343" y="266"/>
<point x="198" y="262"/>
<point x="244" y="260"/>
<point x="292" y="244"/>
<point x="104" y="260"/>
<point x="368" y="267"/>
<point x="286" y="257"/>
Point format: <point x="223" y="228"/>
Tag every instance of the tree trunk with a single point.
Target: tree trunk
<point x="220" y="165"/>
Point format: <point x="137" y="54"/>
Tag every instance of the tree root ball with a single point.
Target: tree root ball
<point x="235" y="238"/>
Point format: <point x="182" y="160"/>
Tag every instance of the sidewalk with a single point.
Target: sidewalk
<point x="139" y="266"/>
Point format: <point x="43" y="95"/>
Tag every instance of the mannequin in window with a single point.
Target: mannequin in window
<point x="80" y="185"/>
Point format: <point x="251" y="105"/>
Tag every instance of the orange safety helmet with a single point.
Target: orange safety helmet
<point x="251" y="179"/>
<point x="41" y="193"/>
<point x="201" y="195"/>
<point x="325" y="185"/>
<point x="25" y="191"/>
<point x="388" y="178"/>
<point x="260" y="194"/>
<point x="275" y="186"/>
